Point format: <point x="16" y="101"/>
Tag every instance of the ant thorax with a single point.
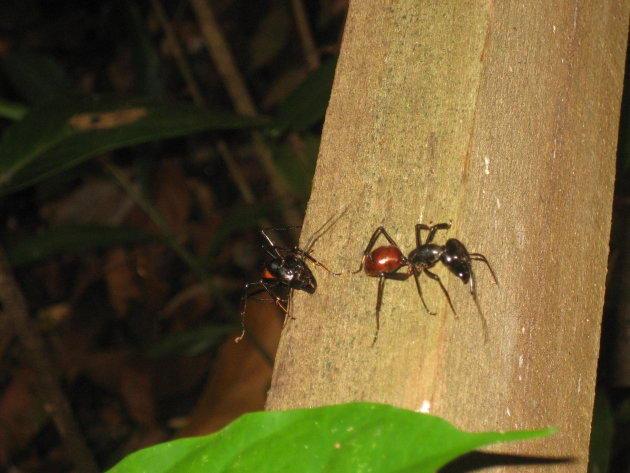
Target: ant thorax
<point x="426" y="255"/>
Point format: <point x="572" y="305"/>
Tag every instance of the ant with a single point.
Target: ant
<point x="286" y="268"/>
<point x="385" y="261"/>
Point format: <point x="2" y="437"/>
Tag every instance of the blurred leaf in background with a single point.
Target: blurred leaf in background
<point x="73" y="240"/>
<point x="307" y="104"/>
<point x="130" y="196"/>
<point x="62" y="133"/>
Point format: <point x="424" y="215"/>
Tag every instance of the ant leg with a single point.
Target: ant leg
<point x="317" y="263"/>
<point x="244" y="298"/>
<point x="286" y="311"/>
<point x="483" y="319"/>
<point x="416" y="277"/>
<point x="265" y="299"/>
<point x="419" y="228"/>
<point x="435" y="277"/>
<point x="389" y="238"/>
<point x="473" y="292"/>
<point x="379" y="302"/>
<point x="266" y="287"/>
<point x="277" y="299"/>
<point x="480" y="257"/>
<point x="271" y="249"/>
<point x="328" y="224"/>
<point x="435" y="228"/>
<point x="432" y="230"/>
<point x="279" y="302"/>
<point x="368" y="249"/>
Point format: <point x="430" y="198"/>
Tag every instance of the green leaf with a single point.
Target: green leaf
<point x="271" y="36"/>
<point x="296" y="170"/>
<point x="12" y="110"/>
<point x="335" y="439"/>
<point x="73" y="240"/>
<point x="63" y="133"/>
<point x="602" y="434"/>
<point x="36" y="77"/>
<point x="308" y="102"/>
<point x="145" y="61"/>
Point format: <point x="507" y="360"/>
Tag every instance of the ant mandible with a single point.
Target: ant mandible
<point x="286" y="268"/>
<point x="385" y="261"/>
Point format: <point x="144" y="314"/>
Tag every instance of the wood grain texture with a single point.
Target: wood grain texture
<point x="502" y="118"/>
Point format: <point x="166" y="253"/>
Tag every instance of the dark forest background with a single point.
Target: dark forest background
<point x="131" y="244"/>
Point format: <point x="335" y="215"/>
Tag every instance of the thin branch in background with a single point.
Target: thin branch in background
<point x="223" y="59"/>
<point x="15" y="310"/>
<point x="304" y="31"/>
<point x="298" y="147"/>
<point x="182" y="63"/>
<point x="243" y="186"/>
<point x="241" y="183"/>
<point x="176" y="50"/>
<point x="170" y="238"/>
<point x="235" y="85"/>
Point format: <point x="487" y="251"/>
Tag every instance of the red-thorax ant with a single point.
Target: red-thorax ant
<point x="286" y="269"/>
<point x="385" y="261"/>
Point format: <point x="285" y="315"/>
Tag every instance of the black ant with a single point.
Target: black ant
<point x="385" y="261"/>
<point x="286" y="269"/>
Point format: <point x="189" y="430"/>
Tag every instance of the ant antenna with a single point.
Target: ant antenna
<point x="328" y="224"/>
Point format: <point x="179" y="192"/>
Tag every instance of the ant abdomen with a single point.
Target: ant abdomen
<point x="457" y="259"/>
<point x="384" y="259"/>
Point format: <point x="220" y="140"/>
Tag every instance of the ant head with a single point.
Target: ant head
<point x="294" y="272"/>
<point x="303" y="278"/>
<point x="306" y="283"/>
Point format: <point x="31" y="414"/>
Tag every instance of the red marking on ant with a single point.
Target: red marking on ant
<point x="384" y="262"/>
<point x="286" y="268"/>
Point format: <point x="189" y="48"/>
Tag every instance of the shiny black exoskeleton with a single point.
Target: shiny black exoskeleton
<point x="285" y="269"/>
<point x="385" y="261"/>
<point x="291" y="271"/>
<point x="453" y="255"/>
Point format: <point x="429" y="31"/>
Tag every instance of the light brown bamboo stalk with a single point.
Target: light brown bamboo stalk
<point x="502" y="118"/>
